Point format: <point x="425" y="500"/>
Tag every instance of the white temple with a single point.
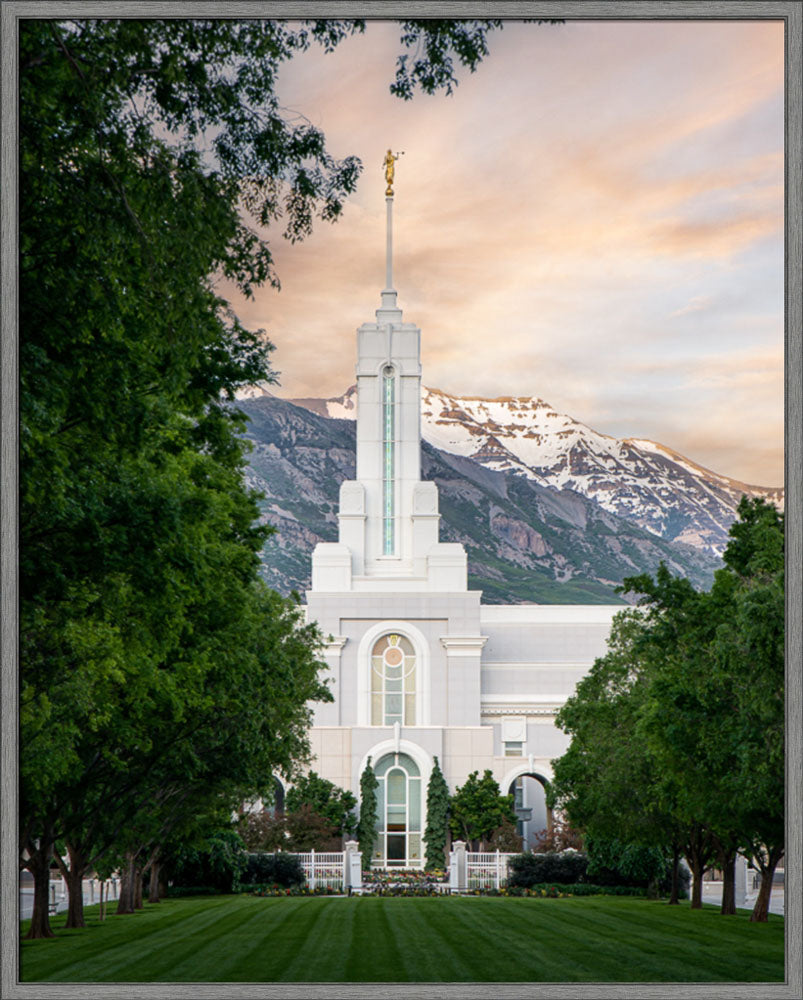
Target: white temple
<point x="418" y="666"/>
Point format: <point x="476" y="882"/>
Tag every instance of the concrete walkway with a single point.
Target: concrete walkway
<point x="712" y="893"/>
<point x="58" y="894"/>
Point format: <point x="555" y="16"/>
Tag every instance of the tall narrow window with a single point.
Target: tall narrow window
<point x="388" y="540"/>
<point x="398" y="814"/>
<point x="393" y="681"/>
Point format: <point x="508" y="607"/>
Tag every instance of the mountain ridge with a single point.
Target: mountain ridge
<point x="526" y="542"/>
<point x="644" y="481"/>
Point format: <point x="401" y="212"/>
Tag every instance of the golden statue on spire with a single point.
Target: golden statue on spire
<point x="388" y="164"/>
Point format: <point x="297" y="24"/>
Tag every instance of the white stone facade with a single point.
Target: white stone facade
<point x="418" y="667"/>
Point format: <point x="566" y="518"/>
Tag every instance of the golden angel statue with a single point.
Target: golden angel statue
<point x="388" y="164"/>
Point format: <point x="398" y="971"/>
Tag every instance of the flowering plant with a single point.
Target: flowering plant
<point x="296" y="890"/>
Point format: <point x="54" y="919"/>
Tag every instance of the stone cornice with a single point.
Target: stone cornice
<point x="463" y="645"/>
<point x="335" y="643"/>
<point x="518" y="710"/>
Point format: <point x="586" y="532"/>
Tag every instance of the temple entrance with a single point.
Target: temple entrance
<point x="398" y="812"/>
<point x="529" y="803"/>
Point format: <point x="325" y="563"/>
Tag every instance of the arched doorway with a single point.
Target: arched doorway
<point x="398" y="812"/>
<point x="529" y="803"/>
<point x="278" y="797"/>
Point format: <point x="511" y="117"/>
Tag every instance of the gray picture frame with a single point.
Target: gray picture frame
<point x="792" y="12"/>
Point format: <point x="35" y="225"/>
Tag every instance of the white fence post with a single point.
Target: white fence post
<point x="459" y="866"/>
<point x="498" y="879"/>
<point x="312" y="870"/>
<point x="352" y="866"/>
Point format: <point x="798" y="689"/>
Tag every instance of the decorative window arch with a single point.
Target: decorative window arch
<point x="393" y="681"/>
<point x="383" y="685"/>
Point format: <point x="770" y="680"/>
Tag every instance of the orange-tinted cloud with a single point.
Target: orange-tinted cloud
<point x="563" y="216"/>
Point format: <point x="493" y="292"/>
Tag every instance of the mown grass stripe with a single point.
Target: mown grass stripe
<point x="303" y="939"/>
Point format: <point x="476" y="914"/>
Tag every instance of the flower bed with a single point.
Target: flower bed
<point x="555" y="890"/>
<point x="296" y="890"/>
<point x="405" y="882"/>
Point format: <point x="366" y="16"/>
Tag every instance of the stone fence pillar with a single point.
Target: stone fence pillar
<point x="458" y="867"/>
<point x="740" y="876"/>
<point x="352" y="867"/>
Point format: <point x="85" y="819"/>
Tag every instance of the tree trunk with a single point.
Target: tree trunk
<point x="728" y="862"/>
<point x="75" y="906"/>
<point x="761" y="907"/>
<point x="74" y="877"/>
<point x="153" y="887"/>
<point x="697" y="872"/>
<point x="125" y="904"/>
<point x="698" y="853"/>
<point x="38" y="864"/>
<point x="138" y="879"/>
<point x="674" y="896"/>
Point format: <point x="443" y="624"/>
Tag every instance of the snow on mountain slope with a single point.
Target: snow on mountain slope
<point x="643" y="481"/>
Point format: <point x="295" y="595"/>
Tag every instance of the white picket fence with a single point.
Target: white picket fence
<point x="486" y="869"/>
<point x="323" y="869"/>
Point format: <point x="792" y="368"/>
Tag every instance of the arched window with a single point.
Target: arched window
<point x="398" y="822"/>
<point x="393" y="681"/>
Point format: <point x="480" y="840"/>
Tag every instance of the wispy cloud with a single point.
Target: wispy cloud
<point x="597" y="196"/>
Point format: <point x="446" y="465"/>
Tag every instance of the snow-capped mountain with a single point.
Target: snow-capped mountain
<point x="525" y="542"/>
<point x="636" y="479"/>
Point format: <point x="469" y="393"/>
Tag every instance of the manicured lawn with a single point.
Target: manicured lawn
<point x="320" y="939"/>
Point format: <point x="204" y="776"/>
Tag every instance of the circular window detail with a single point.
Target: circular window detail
<point x="387" y="371"/>
<point x="393" y="681"/>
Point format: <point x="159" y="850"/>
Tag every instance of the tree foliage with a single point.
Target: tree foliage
<point x="366" y="826"/>
<point x="478" y="808"/>
<point x="324" y="797"/>
<point x="437" y="829"/>
<point x="158" y="676"/>
<point x="677" y="732"/>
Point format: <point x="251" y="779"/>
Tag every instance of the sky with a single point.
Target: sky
<point x="594" y="217"/>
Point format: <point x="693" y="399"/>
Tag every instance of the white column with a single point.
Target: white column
<point x="740" y="880"/>
<point x="389" y="247"/>
<point x="352" y="866"/>
<point x="458" y="867"/>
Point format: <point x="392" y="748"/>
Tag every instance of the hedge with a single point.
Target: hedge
<point x="263" y="868"/>
<point x="568" y="867"/>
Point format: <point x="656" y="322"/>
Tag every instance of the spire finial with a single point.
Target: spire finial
<point x="388" y="163"/>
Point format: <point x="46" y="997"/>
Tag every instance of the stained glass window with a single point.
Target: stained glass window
<point x="388" y="390"/>
<point x="393" y="681"/>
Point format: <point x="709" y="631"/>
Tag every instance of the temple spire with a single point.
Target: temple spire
<point x="389" y="293"/>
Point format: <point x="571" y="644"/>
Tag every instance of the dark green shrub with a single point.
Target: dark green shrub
<point x="270" y="869"/>
<point x="219" y="864"/>
<point x="614" y="862"/>
<point x="192" y="890"/>
<point x="567" y="867"/>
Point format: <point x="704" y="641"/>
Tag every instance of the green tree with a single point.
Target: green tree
<point x="366" y="826"/>
<point x="679" y="728"/>
<point x="325" y="798"/>
<point x="437" y="829"/>
<point x="750" y="649"/>
<point x="608" y="781"/>
<point x="477" y="809"/>
<point x="308" y="830"/>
